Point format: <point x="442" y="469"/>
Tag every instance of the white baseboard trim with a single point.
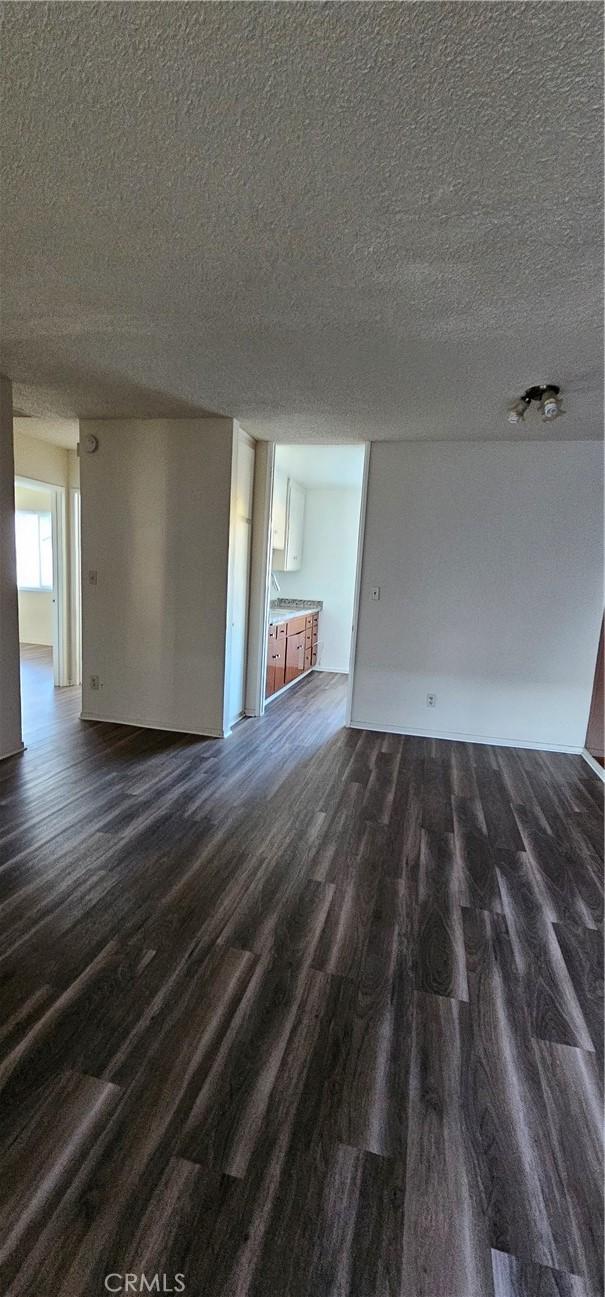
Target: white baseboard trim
<point x="454" y="737"/>
<point x="334" y="671"/>
<point x="154" y="725"/>
<point x="594" y="765"/>
<point x="16" y="752"/>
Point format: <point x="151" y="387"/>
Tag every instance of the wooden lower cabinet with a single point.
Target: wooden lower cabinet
<point x="291" y="650"/>
<point x="276" y="663"/>
<point x="295" y="656"/>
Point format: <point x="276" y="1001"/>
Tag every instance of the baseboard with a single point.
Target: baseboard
<point x="334" y="671"/>
<point x="16" y="752"/>
<point x="594" y="765"/>
<point x="154" y="725"/>
<point x="454" y="737"/>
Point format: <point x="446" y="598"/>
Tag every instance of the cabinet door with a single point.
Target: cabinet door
<point x="270" y="677"/>
<point x="278" y="515"/>
<point x="295" y="526"/>
<point x="295" y="656"/>
<point x="276" y="663"/>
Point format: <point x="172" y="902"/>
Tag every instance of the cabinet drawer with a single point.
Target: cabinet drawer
<point x="280" y="630"/>
<point x="309" y="621"/>
<point x="308" y="657"/>
<point x="295" y="626"/>
<point x="314" y="655"/>
<point x="309" y="636"/>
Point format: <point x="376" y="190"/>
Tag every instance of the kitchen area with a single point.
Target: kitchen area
<point x="314" y="532"/>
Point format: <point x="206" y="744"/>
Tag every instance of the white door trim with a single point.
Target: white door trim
<point x="594" y="765"/>
<point x="60" y="575"/>
<point x="75" y="586"/>
<point x="357" y="595"/>
<point x="260" y="578"/>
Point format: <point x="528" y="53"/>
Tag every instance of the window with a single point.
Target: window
<point x="33" y="532"/>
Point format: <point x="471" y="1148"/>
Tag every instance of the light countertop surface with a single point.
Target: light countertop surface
<point x="279" y="615"/>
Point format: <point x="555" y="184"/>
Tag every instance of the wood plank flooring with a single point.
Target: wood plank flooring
<point x="310" y="1012"/>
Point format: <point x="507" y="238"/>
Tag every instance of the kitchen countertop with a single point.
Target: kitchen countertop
<point x="279" y="615"/>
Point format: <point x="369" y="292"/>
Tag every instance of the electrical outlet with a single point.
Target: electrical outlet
<point x="92" y="577"/>
<point x="431" y="700"/>
<point x="94" y="682"/>
<point x="376" y="593"/>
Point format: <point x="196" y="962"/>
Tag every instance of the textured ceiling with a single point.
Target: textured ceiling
<point x="330" y="221"/>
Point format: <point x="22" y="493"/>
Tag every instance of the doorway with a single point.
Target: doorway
<point x="313" y="522"/>
<point x="595" y="738"/>
<point x="40" y="531"/>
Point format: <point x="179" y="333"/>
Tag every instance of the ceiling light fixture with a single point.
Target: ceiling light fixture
<point x="518" y="411"/>
<point x="548" y="399"/>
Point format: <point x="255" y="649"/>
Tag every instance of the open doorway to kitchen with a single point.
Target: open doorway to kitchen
<point x="47" y="543"/>
<point x="314" y="544"/>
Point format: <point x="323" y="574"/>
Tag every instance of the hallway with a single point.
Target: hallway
<point x="307" y="1011"/>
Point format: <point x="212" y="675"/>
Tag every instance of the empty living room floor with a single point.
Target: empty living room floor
<point x="311" y="1011"/>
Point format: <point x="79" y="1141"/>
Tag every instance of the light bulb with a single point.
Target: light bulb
<point x="516" y="413"/>
<point x="550" y="406"/>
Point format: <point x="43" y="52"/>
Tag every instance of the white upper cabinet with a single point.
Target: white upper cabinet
<point x="288" y="556"/>
<point x="295" y="524"/>
<point x="280" y="505"/>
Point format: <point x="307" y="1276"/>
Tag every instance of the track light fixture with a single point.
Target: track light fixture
<point x="548" y="399"/>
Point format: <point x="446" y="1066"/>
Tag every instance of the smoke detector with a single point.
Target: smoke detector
<point x="548" y="399"/>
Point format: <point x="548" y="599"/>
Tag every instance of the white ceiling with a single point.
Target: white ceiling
<point x="330" y="221"/>
<point x="59" y="432"/>
<point x="315" y="465"/>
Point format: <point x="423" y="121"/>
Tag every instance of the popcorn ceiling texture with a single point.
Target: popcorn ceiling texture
<point x="329" y="221"/>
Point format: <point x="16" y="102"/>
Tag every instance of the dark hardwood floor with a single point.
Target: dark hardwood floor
<point x="310" y="1012"/>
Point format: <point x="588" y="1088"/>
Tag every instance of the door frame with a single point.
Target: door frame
<point x="260" y="593"/>
<point x="75" y="506"/>
<point x="260" y="577"/>
<point x="241" y="439"/>
<point x="60" y="644"/>
<point x="358" y="574"/>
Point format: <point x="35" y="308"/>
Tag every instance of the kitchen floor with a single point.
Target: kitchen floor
<point x="307" y="1011"/>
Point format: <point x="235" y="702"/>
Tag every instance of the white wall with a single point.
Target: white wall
<point x="42" y="460"/>
<point x="490" y="563"/>
<point x="328" y="569"/>
<point x="10" y="693"/>
<point x="155" y="526"/>
<point x="35" y="606"/>
<point x="36" y="617"/>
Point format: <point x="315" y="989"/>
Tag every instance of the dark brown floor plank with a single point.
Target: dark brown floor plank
<point x="445" y="1247"/>
<point x="440" y="965"/>
<point x="526" y="1209"/>
<point x="515" y="1278"/>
